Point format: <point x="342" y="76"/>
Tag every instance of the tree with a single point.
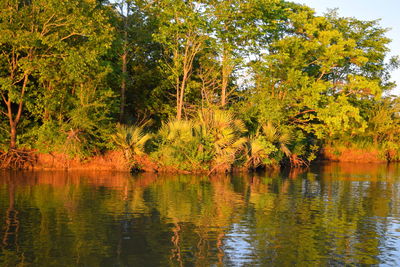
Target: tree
<point x="182" y="35"/>
<point x="224" y="16"/>
<point x="125" y="13"/>
<point x="372" y="42"/>
<point x="294" y="80"/>
<point x="144" y="96"/>
<point x="49" y="51"/>
<point x="240" y="30"/>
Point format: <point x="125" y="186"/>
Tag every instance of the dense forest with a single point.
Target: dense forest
<point x="194" y="85"/>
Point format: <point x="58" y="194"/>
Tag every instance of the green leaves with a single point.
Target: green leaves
<point x="310" y="77"/>
<point x="212" y="140"/>
<point x="57" y="47"/>
<point x="259" y="152"/>
<point x="131" y="139"/>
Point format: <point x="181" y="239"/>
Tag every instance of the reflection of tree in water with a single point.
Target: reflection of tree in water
<point x="200" y="209"/>
<point x="12" y="224"/>
<point x="96" y="219"/>
<point x="10" y="246"/>
<point x="322" y="220"/>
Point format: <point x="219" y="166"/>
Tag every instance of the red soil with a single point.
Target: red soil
<point x="115" y="161"/>
<point x="110" y="161"/>
<point x="352" y="155"/>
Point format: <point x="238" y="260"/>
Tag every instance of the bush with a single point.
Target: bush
<point x="131" y="140"/>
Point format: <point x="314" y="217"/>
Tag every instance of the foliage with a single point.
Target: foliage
<point x="259" y="152"/>
<point x="52" y="69"/>
<point x="226" y="133"/>
<point x="131" y="139"/>
<point x="212" y="140"/>
<point x="181" y="144"/>
<point x="268" y="146"/>
<point x="254" y="82"/>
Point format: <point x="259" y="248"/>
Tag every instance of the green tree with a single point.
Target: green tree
<point x="50" y="52"/>
<point x="294" y="81"/>
<point x="182" y="34"/>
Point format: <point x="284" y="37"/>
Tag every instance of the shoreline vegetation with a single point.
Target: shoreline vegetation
<point x="192" y="86"/>
<point x="115" y="161"/>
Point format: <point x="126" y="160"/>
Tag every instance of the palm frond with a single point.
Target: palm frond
<point x="131" y="139"/>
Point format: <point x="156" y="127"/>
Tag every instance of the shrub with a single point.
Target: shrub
<point x="131" y="140"/>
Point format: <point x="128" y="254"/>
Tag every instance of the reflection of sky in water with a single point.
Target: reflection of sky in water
<point x="238" y="245"/>
<point x="242" y="249"/>
<point x="391" y="239"/>
<point x="240" y="252"/>
<point x="390" y="244"/>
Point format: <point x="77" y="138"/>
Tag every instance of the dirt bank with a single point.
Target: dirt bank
<point x="115" y="161"/>
<point x="344" y="154"/>
<point x="110" y="161"/>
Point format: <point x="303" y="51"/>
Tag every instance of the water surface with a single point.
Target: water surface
<point x="333" y="214"/>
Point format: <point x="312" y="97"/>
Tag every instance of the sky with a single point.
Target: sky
<point x="388" y="11"/>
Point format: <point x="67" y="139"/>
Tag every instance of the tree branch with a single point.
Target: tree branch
<point x="70" y="35"/>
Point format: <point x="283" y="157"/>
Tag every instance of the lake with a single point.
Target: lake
<point x="330" y="214"/>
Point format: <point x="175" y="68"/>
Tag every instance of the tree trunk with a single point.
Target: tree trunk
<point x="123" y="88"/>
<point x="13" y="135"/>
<point x="224" y="86"/>
<point x="124" y="66"/>
<point x="226" y="72"/>
<point x="179" y="107"/>
<point x="179" y="112"/>
<point x="181" y="96"/>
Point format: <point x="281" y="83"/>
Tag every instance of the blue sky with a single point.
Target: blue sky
<point x="386" y="10"/>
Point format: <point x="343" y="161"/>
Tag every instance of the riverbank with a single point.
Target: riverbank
<point x="115" y="161"/>
<point x="110" y="161"/>
<point x="355" y="155"/>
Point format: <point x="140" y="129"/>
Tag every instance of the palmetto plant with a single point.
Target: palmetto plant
<point x="226" y="133"/>
<point x="177" y="131"/>
<point x="259" y="151"/>
<point x="279" y="138"/>
<point x="182" y="145"/>
<point x="213" y="138"/>
<point x="131" y="139"/>
<point x="267" y="140"/>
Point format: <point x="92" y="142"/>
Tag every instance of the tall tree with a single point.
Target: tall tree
<point x="224" y="16"/>
<point x="124" y="8"/>
<point x="371" y="39"/>
<point x="240" y="29"/>
<point x="294" y="83"/>
<point x="182" y="35"/>
<point x="49" y="49"/>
